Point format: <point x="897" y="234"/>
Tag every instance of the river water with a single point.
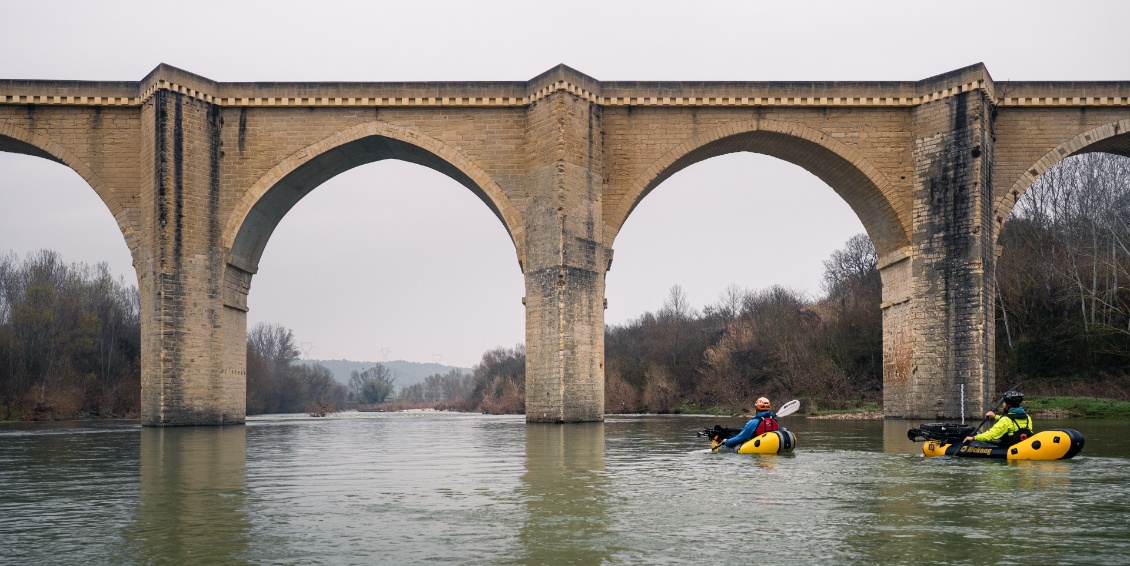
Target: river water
<point x="473" y="489"/>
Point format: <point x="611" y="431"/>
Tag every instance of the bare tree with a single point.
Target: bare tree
<point x="729" y="303"/>
<point x="373" y="385"/>
<point x="849" y="266"/>
<point x="1063" y="271"/>
<point x="677" y="305"/>
<point x="275" y="343"/>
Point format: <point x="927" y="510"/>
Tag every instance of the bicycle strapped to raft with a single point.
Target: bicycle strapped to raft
<point x="946" y="433"/>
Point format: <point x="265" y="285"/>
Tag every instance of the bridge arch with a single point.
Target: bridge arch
<point x="1113" y="137"/>
<point x="18" y="140"/>
<point x="865" y="189"/>
<point x="262" y="207"/>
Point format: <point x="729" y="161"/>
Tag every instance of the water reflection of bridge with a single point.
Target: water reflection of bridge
<point x="565" y="496"/>
<point x="192" y="506"/>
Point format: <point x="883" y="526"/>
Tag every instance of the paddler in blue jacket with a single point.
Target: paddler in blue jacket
<point x="1011" y="427"/>
<point x="764" y="421"/>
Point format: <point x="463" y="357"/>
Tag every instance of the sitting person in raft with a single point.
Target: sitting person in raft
<point x="1013" y="426"/>
<point x="764" y="421"/>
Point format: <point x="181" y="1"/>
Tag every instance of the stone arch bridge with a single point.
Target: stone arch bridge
<point x="198" y="173"/>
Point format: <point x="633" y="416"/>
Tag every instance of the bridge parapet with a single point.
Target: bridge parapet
<point x="565" y="79"/>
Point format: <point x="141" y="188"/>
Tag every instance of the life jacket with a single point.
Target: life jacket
<point x="768" y="424"/>
<point x="1022" y="432"/>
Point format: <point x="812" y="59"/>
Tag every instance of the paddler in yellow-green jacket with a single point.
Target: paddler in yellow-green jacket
<point x="1011" y="427"/>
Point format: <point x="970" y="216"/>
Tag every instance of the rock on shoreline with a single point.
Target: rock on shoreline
<point x="860" y="416"/>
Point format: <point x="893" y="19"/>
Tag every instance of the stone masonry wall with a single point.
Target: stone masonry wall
<point x="898" y="334"/>
<point x="949" y="315"/>
<point x="258" y="139"/>
<point x="100" y="144"/>
<point x="639" y="137"/>
<point x="564" y="263"/>
<point x="183" y="267"/>
<point x="1031" y="140"/>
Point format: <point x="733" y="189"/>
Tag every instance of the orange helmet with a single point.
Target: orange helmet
<point x="762" y="404"/>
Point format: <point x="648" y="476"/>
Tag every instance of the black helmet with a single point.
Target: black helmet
<point x="1014" y="398"/>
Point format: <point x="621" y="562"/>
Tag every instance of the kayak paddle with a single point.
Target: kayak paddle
<point x="788" y="408"/>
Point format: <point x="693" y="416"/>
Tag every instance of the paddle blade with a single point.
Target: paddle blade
<point x="788" y="408"/>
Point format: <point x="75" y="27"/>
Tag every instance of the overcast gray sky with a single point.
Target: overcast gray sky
<point x="453" y="290"/>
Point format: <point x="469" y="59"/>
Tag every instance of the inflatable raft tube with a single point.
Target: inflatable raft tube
<point x="1053" y="444"/>
<point x="781" y="441"/>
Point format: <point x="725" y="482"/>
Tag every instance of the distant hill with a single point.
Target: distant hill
<point x="406" y="373"/>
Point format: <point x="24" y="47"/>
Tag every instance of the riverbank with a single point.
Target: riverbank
<point x="861" y="415"/>
<point x="1073" y="407"/>
<point x="1038" y="407"/>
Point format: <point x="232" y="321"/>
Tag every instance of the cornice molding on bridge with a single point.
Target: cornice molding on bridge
<point x="565" y="79"/>
<point x="1065" y="101"/>
<point x="56" y="100"/>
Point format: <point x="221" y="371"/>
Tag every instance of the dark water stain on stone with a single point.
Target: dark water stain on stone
<point x="242" y="129"/>
<point x="178" y="181"/>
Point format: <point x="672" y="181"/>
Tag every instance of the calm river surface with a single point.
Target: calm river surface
<point x="460" y="488"/>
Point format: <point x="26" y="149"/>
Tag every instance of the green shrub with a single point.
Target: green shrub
<point x="1089" y="407"/>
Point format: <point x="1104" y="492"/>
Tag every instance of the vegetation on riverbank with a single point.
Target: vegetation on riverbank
<point x="1074" y="407"/>
<point x="1063" y="306"/>
<point x="276" y="383"/>
<point x="70" y="340"/>
<point x="864" y="410"/>
<point x="775" y="342"/>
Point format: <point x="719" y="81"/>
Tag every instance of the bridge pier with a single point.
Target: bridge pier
<point x="192" y="372"/>
<point x="565" y="263"/>
<point x="939" y="318"/>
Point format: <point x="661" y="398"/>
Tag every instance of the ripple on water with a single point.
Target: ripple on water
<point x="361" y="488"/>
